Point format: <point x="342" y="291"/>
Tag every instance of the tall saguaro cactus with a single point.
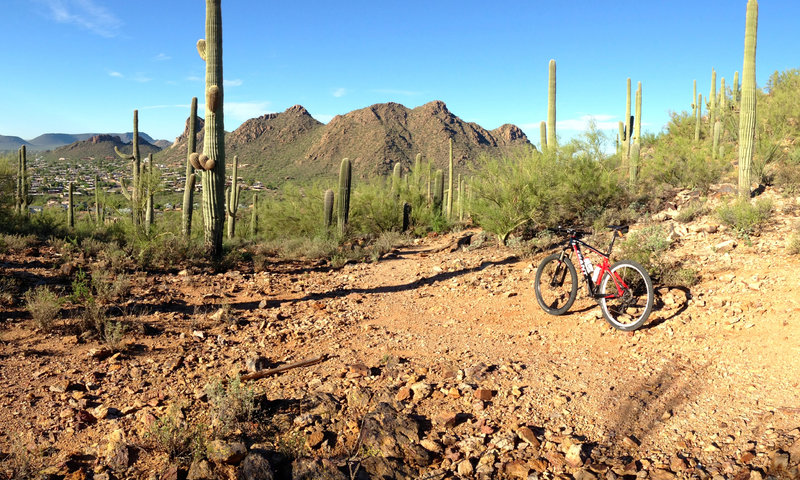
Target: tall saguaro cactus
<point x="135" y="195"/>
<point x="551" y="106"/>
<point x="98" y="216"/>
<point x="712" y="99"/>
<point x="191" y="178"/>
<point x="450" y="184"/>
<point x="70" y="205"/>
<point x="747" y="113"/>
<point x="212" y="160"/>
<point x="698" y="116"/>
<point x="637" y="123"/>
<point x="542" y="135"/>
<point x="345" y="182"/>
<point x="149" y="216"/>
<point x="735" y="89"/>
<point x="254" y="217"/>
<point x="327" y="208"/>
<point x="627" y="140"/>
<point x="23" y="199"/>
<point x="438" y="191"/>
<point x="232" y="198"/>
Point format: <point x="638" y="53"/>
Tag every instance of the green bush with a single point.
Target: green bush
<point x="44" y="306"/>
<point x="679" y="162"/>
<point x="743" y="216"/>
<point x="691" y="211"/>
<point x="577" y="183"/>
<point x="231" y="403"/>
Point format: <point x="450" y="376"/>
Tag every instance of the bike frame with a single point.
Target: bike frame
<point x="575" y="244"/>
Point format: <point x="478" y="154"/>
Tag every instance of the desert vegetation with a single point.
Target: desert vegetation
<point x="115" y="256"/>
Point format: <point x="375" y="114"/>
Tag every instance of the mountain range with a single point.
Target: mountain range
<point x="50" y="141"/>
<point x="292" y="144"/>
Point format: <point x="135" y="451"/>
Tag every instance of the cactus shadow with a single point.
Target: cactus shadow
<point x="422" y="282"/>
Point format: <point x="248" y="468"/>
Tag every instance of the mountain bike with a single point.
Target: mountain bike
<point x="623" y="289"/>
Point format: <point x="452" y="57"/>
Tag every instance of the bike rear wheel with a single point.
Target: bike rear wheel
<point x="556" y="284"/>
<point x="626" y="295"/>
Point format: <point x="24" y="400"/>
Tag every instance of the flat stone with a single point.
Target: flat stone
<point x="421" y="390"/>
<point x="465" y="468"/>
<point x="116" y="454"/>
<point x="517" y="469"/>
<point x="224" y="452"/>
<point x="661" y="474"/>
<point x="200" y="470"/>
<point x="315" y="439"/>
<point x="527" y="435"/>
<point x="403" y="394"/>
<point x="483" y="394"/>
<point x="574" y="455"/>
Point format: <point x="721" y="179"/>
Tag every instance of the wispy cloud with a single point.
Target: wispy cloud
<point x="84" y="14"/>
<point x="115" y="74"/>
<point x="194" y="78"/>
<point x="162" y="57"/>
<point x="602" y="121"/>
<point x="232" y="83"/>
<point x="340" y="92"/>
<point x="392" y="91"/>
<point x="141" y="78"/>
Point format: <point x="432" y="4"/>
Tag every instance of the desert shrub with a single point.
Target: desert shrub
<point x="793" y="247"/>
<point x="648" y="246"/>
<point x="691" y="211"/>
<point x="164" y="251"/>
<point x="679" y="162"/>
<point x="787" y="173"/>
<point x="231" y="403"/>
<point x="743" y="216"/>
<point x="16" y="242"/>
<point x="9" y="289"/>
<point x="575" y="184"/>
<point x="172" y="434"/>
<point x="385" y="243"/>
<point x="44" y="306"/>
<point x="108" y="286"/>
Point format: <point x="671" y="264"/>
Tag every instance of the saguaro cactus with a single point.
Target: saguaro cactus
<point x="23" y="199"/>
<point x="634" y="164"/>
<point x="698" y="115"/>
<point x="345" y="182"/>
<point x="417" y="170"/>
<point x="232" y="198"/>
<point x="626" y="141"/>
<point x="70" y="206"/>
<point x="191" y="178"/>
<point x="135" y="195"/>
<point x="97" y="214"/>
<point x="542" y="135"/>
<point x="406" y="217"/>
<point x="723" y="98"/>
<point x="747" y="113"/>
<point x="551" y="106"/>
<point x="712" y="99"/>
<point x="715" y="142"/>
<point x="254" y="217"/>
<point x="694" y="99"/>
<point x="637" y="124"/>
<point x="149" y="188"/>
<point x="212" y="160"/>
<point x="450" y="184"/>
<point x="438" y="191"/>
<point x="327" y="208"/>
<point x="397" y="177"/>
<point x="735" y="89"/>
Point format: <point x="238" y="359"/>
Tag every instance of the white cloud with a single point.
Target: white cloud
<point x="194" y="78"/>
<point x="340" y="92"/>
<point x="115" y="74"/>
<point x="162" y="57"/>
<point x="85" y="14"/>
<point x="580" y="124"/>
<point x="141" y="78"/>
<point x="232" y="83"/>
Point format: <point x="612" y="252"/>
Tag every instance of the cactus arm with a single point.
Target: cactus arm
<point x="124" y="156"/>
<point x="345" y="184"/>
<point x="201" y="48"/>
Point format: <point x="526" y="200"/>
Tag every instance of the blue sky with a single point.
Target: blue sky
<point x="75" y="66"/>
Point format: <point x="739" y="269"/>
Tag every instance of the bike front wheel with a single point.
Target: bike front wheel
<point x="626" y="295"/>
<point x="556" y="284"/>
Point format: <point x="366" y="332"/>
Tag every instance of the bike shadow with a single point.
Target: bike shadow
<point x="678" y="304"/>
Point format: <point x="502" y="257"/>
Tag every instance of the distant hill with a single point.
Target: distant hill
<point x="50" y="141"/>
<point x="8" y="143"/>
<point x="292" y="144"/>
<point x="99" y="147"/>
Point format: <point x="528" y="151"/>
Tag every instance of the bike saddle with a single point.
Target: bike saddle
<point x="619" y="228"/>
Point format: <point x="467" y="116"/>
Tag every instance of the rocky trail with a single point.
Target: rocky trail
<point x="438" y="363"/>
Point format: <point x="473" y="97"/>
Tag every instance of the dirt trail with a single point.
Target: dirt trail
<point x="711" y="376"/>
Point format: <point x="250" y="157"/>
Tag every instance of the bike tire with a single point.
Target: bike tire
<point x="554" y="295"/>
<point x="629" y="311"/>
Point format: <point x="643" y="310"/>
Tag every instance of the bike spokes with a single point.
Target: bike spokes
<point x="559" y="285"/>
